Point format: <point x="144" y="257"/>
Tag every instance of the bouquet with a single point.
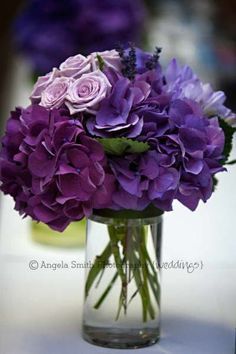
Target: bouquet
<point x="111" y="133"/>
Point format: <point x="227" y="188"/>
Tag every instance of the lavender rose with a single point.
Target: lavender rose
<point x="42" y="83"/>
<point x="54" y="95"/>
<point x="86" y="92"/>
<point x="75" y="66"/>
<point x="110" y="58"/>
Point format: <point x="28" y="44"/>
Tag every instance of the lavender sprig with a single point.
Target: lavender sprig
<point x="128" y="60"/>
<point x="153" y="61"/>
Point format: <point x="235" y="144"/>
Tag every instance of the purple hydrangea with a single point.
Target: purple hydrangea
<point x="182" y="82"/>
<point x="55" y="173"/>
<point x="187" y="150"/>
<point x="122" y="112"/>
<point x="117" y="115"/>
<point x="144" y="179"/>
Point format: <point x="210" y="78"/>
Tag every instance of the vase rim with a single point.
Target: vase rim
<point x="150" y="215"/>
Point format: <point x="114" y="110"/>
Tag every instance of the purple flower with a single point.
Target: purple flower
<point x="186" y="150"/>
<point x="54" y="94"/>
<point x="75" y="66"/>
<point x="144" y="179"/>
<point x="110" y="58"/>
<point x="86" y="92"/>
<point x="54" y="172"/>
<point x="181" y="82"/>
<point x="78" y="81"/>
<point x="117" y="114"/>
<point x="42" y="83"/>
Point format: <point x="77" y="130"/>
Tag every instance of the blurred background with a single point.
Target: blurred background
<point x="36" y="35"/>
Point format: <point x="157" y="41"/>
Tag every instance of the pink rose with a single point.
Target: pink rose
<point x="110" y="58"/>
<point x="75" y="66"/>
<point x="86" y="92"/>
<point x="42" y="83"/>
<point x="54" y="94"/>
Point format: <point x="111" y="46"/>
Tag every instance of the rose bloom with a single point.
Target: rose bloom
<point x="42" y="83"/>
<point x="54" y="95"/>
<point x="75" y="66"/>
<point x="110" y="58"/>
<point x="86" y="92"/>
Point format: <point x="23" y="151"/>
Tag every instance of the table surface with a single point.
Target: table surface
<point x="40" y="310"/>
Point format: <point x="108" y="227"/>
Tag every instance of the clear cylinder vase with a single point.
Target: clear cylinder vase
<point x="122" y="285"/>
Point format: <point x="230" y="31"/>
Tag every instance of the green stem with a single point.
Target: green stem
<point x="145" y="272"/>
<point x="139" y="284"/>
<point x="153" y="278"/>
<point x="128" y="246"/>
<point x="119" y="263"/>
<point x="98" y="266"/>
<point x="107" y="290"/>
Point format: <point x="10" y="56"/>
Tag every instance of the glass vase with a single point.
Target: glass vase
<point x="122" y="285"/>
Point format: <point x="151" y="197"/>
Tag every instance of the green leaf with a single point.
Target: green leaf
<point x="215" y="183"/>
<point x="232" y="162"/>
<point x="228" y="132"/>
<point x="121" y="146"/>
<point x="101" y="62"/>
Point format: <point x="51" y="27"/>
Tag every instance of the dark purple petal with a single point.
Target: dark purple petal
<point x="192" y="139"/>
<point x="193" y="166"/>
<point x="41" y="163"/>
<point x="44" y="214"/>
